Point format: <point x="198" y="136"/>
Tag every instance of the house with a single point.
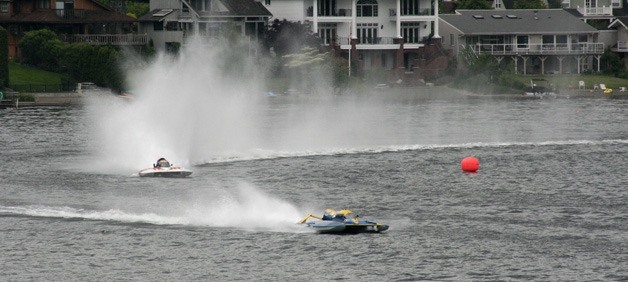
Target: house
<point x="592" y="10"/>
<point x="620" y="24"/>
<point x="73" y="20"/>
<point x="170" y="22"/>
<point x="537" y="41"/>
<point x="400" y="37"/>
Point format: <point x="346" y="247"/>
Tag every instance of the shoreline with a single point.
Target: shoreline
<point x="43" y="99"/>
<point x="76" y="98"/>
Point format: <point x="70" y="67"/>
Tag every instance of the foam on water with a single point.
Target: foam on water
<point x="246" y="208"/>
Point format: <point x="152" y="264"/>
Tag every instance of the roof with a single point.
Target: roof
<point x="246" y="8"/>
<point x="89" y="16"/>
<point x="225" y="9"/>
<point x="156" y="15"/>
<point x="520" y="21"/>
<point x="620" y="21"/>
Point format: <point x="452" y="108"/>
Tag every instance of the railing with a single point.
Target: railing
<point x="421" y="12"/>
<point x="70" y="13"/>
<point x="43" y="87"/>
<point x="540" y="49"/>
<point x="334" y="13"/>
<point x="107" y="39"/>
<point x="368" y="40"/>
<point x="595" y="11"/>
<point x="622" y="46"/>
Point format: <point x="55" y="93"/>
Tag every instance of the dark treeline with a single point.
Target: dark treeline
<point x="4" y="61"/>
<point x="77" y="61"/>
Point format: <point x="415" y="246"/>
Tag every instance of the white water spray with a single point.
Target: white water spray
<point x="191" y="110"/>
<point x="243" y="207"/>
<point x="185" y="109"/>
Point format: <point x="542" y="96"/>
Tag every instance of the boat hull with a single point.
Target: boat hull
<point x="326" y="226"/>
<point x="173" y="172"/>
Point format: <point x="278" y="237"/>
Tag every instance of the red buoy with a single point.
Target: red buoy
<point x="470" y="164"/>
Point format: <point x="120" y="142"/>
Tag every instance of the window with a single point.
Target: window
<point x="367" y="8"/>
<point x="410" y="32"/>
<point x="451" y="39"/>
<point x="158" y="26"/>
<point x="327" y="8"/>
<point x="327" y="32"/>
<point x="522" y="42"/>
<point x="367" y="33"/>
<point x="42" y="4"/>
<point x="267" y="2"/>
<point x="409" y="7"/>
<point x="4" y="7"/>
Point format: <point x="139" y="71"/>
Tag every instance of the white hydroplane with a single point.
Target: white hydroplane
<point x="163" y="168"/>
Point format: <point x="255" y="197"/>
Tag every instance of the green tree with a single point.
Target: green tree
<point x="98" y="64"/>
<point x="529" y="4"/>
<point x="285" y="37"/>
<point x="555" y="4"/>
<point x="136" y="9"/>
<point x="304" y="66"/>
<point x="41" y="48"/>
<point x="473" y="5"/>
<point x="611" y="63"/>
<point x="4" y="55"/>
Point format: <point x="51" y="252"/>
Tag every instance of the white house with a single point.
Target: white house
<point x="170" y="21"/>
<point x="397" y="35"/>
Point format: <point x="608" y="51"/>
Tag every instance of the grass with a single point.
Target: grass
<point x="19" y="74"/>
<point x="564" y="81"/>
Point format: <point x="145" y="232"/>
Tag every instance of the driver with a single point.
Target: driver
<point x="162" y="162"/>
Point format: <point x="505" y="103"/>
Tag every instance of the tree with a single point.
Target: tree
<point x="136" y="9"/>
<point x="285" y="37"/>
<point x="41" y="48"/>
<point x="4" y="61"/>
<point x="555" y="4"/>
<point x="611" y="63"/>
<point x="310" y="65"/>
<point x="529" y="4"/>
<point x="473" y="5"/>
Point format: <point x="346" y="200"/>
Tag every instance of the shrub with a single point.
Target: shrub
<point x="4" y="61"/>
<point x="41" y="48"/>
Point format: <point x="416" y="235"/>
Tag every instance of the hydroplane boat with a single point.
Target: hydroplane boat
<point x="343" y="221"/>
<point x="163" y="168"/>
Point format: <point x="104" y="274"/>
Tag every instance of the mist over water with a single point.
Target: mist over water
<point x="192" y="111"/>
<point x="183" y="108"/>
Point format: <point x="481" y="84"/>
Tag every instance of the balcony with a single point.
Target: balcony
<point x="622" y="46"/>
<point x="334" y="13"/>
<point x="539" y="49"/>
<point x="367" y="41"/>
<point x="70" y="13"/>
<point x="107" y="39"/>
<point x="595" y="11"/>
<point x="420" y="12"/>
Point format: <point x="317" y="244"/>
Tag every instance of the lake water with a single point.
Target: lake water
<point x="549" y="202"/>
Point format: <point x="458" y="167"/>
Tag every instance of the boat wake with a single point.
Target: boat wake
<point x="269" y="154"/>
<point x="246" y="208"/>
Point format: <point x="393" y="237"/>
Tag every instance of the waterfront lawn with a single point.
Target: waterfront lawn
<point x="20" y="75"/>
<point x="564" y="81"/>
